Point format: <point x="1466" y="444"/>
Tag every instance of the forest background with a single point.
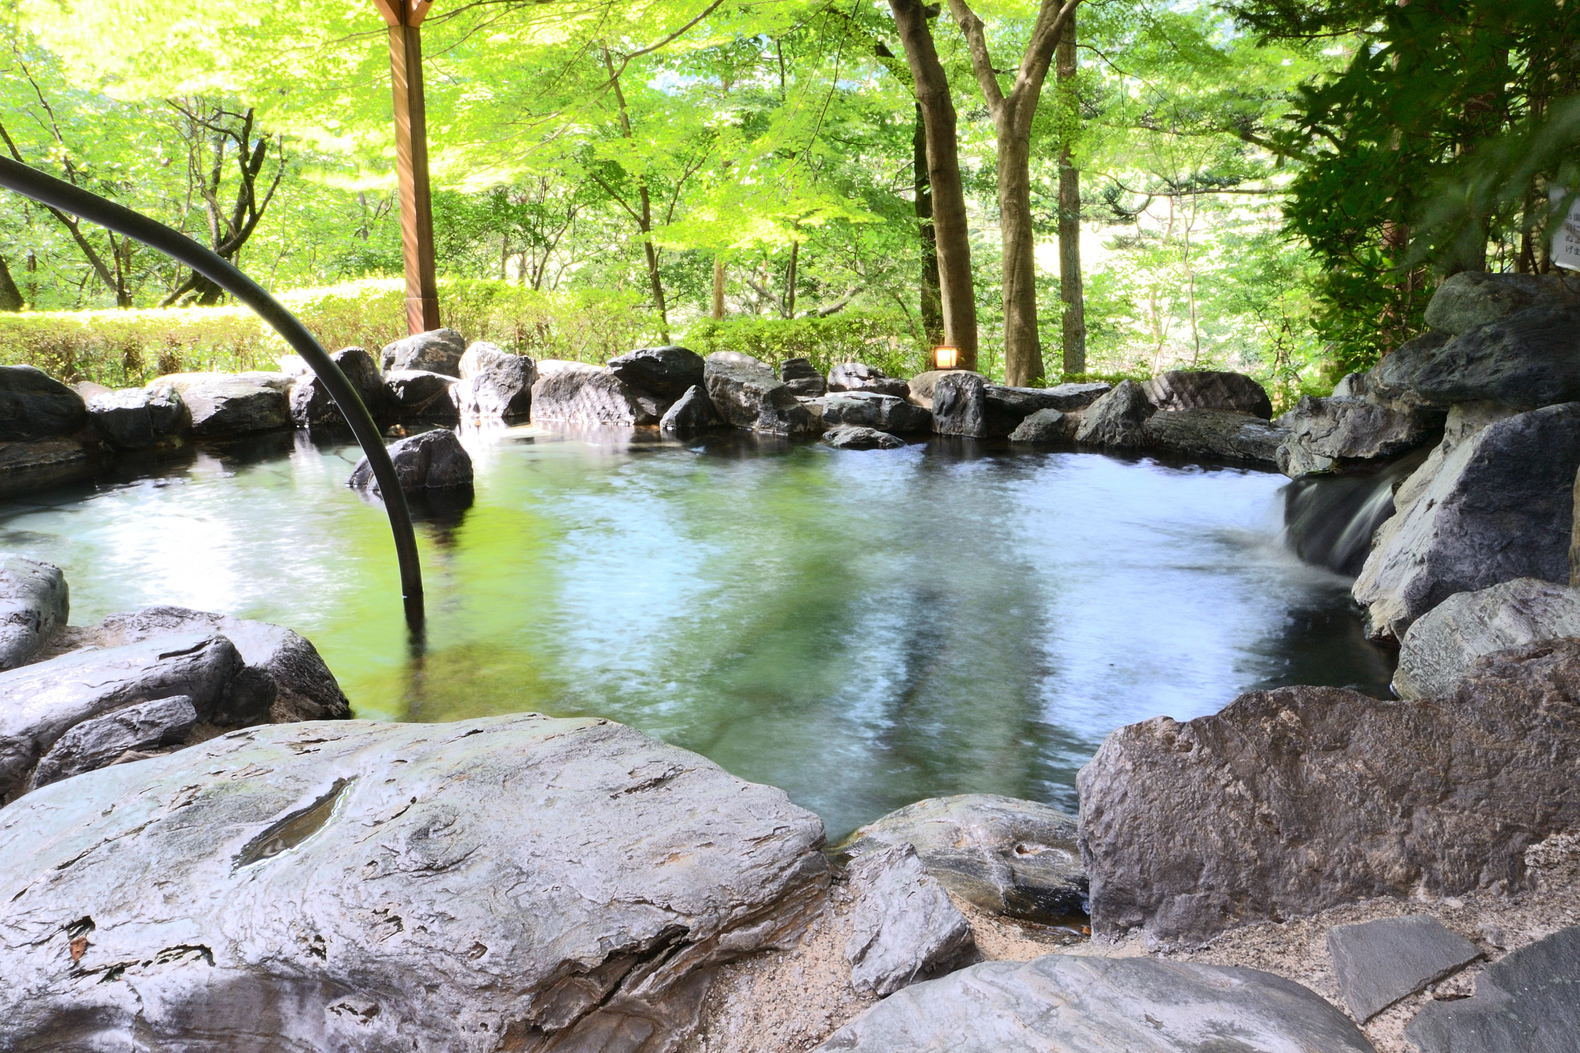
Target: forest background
<point x="1272" y="186"/>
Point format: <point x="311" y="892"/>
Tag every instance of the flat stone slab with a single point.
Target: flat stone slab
<point x="1076" y="1004"/>
<point x="1379" y="962"/>
<point x="1529" y="1002"/>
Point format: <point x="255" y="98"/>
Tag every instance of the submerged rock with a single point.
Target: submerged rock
<point x="511" y="883"/>
<point x="431" y="460"/>
<point x="436" y="351"/>
<point x="1441" y="646"/>
<point x="34" y="405"/>
<point x="1291" y="801"/>
<point x="34" y="602"/>
<point x="1063" y="1003"/>
<point x="36" y="465"/>
<point x="855" y="437"/>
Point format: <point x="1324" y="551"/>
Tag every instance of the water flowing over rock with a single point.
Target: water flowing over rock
<point x="519" y="883"/>
<point x="34" y="603"/>
<point x="802" y="378"/>
<point x="1473" y="298"/>
<point x="1444" y="643"/>
<point x="903" y="928"/>
<point x="421" y="395"/>
<point x="691" y="414"/>
<point x="1527" y="360"/>
<point x="1489" y="505"/>
<point x="436" y="351"/>
<point x="312" y="404"/>
<point x="579" y="393"/>
<point x="1008" y="856"/>
<point x="1046" y="427"/>
<point x="855" y="437"/>
<point x="752" y="396"/>
<point x="666" y="372"/>
<point x="1330" y="520"/>
<point x="495" y="385"/>
<point x="40" y="703"/>
<point x="1216" y="434"/>
<point x="137" y="418"/>
<point x="1290" y="801"/>
<point x="1117" y="418"/>
<point x="858" y="376"/>
<point x="1063" y="1003"/>
<point x="1180" y="389"/>
<point x="223" y="405"/>
<point x="869" y="409"/>
<point x="431" y="460"/>
<point x="35" y="406"/>
<point x="1525" y="1002"/>
<point x="1333" y="434"/>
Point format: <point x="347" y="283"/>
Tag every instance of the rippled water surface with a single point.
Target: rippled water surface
<point x="862" y="628"/>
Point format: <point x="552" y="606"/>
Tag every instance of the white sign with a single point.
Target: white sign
<point x="1566" y="239"/>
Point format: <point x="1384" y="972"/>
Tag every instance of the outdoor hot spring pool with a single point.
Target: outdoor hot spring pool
<point x="861" y="628"/>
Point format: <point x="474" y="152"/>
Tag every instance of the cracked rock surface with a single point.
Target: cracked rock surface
<point x="521" y="883"/>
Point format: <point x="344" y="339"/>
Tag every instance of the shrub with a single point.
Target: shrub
<point x="881" y="339"/>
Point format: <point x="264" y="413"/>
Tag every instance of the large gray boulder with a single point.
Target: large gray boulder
<point x="1006" y="855"/>
<point x="903" y="926"/>
<point x="1333" y="434"/>
<point x="923" y="385"/>
<point x="495" y="385"/>
<point x="34" y="603"/>
<point x="33" y="405"/>
<point x="137" y="418"/>
<point x="1525" y="1002"/>
<point x="691" y="414"/>
<point x="869" y="409"/>
<point x="1062" y="1003"/>
<point x="1215" y="434"/>
<point x="1116" y="419"/>
<point x="1180" y="389"/>
<point x="430" y="460"/>
<point x="222" y="405"/>
<point x="520" y="883"/>
<point x="966" y="404"/>
<point x="666" y="372"/>
<point x="1488" y="506"/>
<point x="802" y="378"/>
<point x="1473" y="298"/>
<point x="435" y="351"/>
<point x="303" y="686"/>
<point x="1441" y="646"/>
<point x="1046" y="427"/>
<point x="581" y="393"/>
<point x="40" y="703"/>
<point x="858" y="376"/>
<point x="312" y="404"/>
<point x="1291" y="801"/>
<point x="751" y="396"/>
<point x="423" y="396"/>
<point x="1526" y="360"/>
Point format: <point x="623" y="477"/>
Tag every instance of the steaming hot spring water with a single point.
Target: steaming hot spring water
<point x="861" y="628"/>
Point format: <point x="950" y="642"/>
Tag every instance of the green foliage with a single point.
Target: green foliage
<point x="878" y="338"/>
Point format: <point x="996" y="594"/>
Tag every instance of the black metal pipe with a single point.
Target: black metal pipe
<point x="69" y="198"/>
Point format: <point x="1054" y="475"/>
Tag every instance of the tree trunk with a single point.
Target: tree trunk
<point x="10" y="295"/>
<point x="932" y="308"/>
<point x="644" y="213"/>
<point x="718" y="288"/>
<point x="1071" y="292"/>
<point x="795" y="255"/>
<point x="943" y="173"/>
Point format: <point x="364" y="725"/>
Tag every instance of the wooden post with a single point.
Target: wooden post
<point x="404" y="18"/>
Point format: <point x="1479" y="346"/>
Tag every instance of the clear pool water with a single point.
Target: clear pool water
<point x="862" y="628"/>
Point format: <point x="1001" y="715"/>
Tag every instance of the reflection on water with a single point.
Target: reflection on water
<point x="862" y="628"/>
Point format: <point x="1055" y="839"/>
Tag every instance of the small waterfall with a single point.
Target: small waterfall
<point x="1329" y="520"/>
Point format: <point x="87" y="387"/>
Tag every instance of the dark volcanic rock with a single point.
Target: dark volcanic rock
<point x="101" y="741"/>
<point x="869" y="409"/>
<point x="1117" y="418"/>
<point x="34" y="405"/>
<point x="495" y="385"/>
<point x="1445" y="642"/>
<point x="966" y="404"/>
<point x="752" y="396"/>
<point x="1489" y="507"/>
<point x="903" y="927"/>
<point x="28" y="466"/>
<point x="432" y="460"/>
<point x="1006" y="855"/>
<point x="1326" y="434"/>
<point x="1379" y="962"/>
<point x="519" y="883"/>
<point x="923" y="385"/>
<point x="858" y="376"/>
<point x="1217" y="434"/>
<point x="1180" y="389"/>
<point x="1291" y="801"/>
<point x="581" y="393"/>
<point x="419" y="395"/>
<point x="223" y="405"/>
<point x="802" y="378"/>
<point x="436" y="351"/>
<point x="1063" y="1003"/>
<point x="137" y="418"/>
<point x="663" y="371"/>
<point x="312" y="404"/>
<point x="1471" y="298"/>
<point x="33" y="605"/>
<point x="1526" y="1002"/>
<point x="691" y="414"/>
<point x="1524" y="361"/>
<point x="855" y="437"/>
<point x="1046" y="426"/>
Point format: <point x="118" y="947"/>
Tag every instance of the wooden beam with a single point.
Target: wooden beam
<point x="411" y="160"/>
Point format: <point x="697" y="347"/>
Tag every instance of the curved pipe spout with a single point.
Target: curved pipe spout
<point x="68" y="198"/>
